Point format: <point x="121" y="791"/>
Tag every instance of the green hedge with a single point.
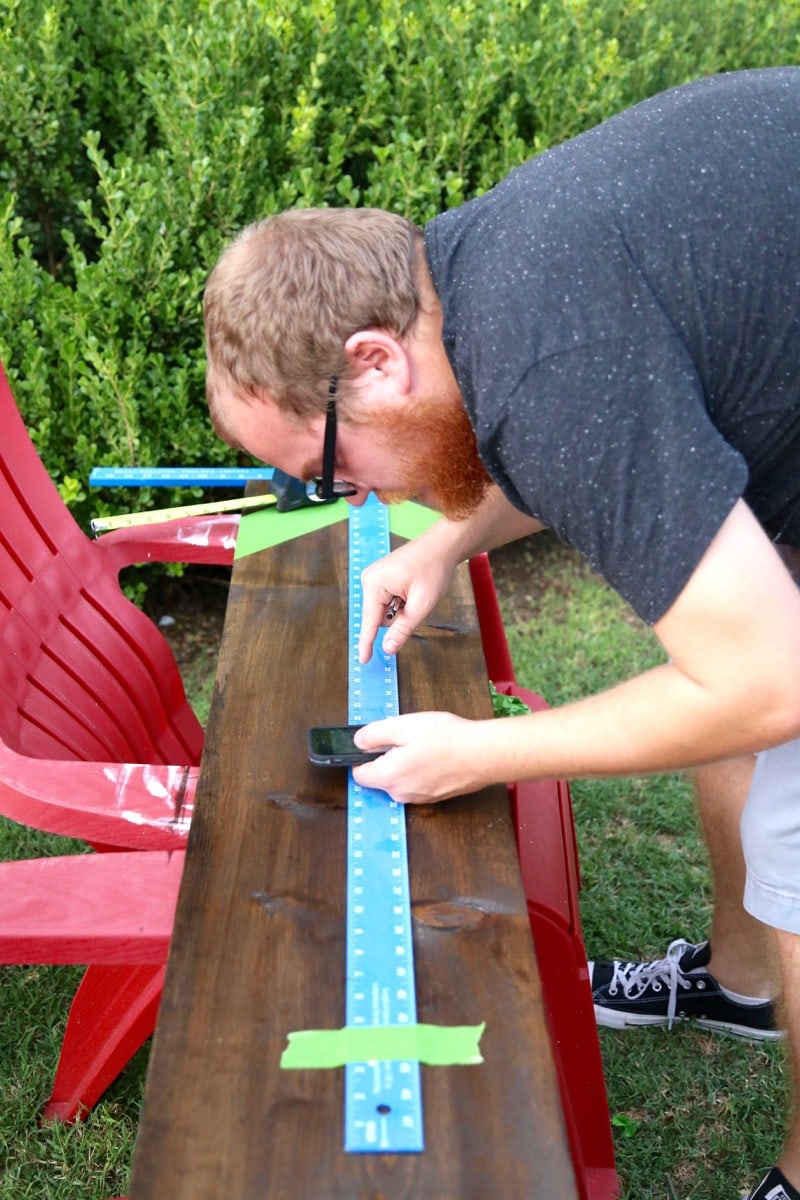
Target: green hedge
<point x="139" y="135"/>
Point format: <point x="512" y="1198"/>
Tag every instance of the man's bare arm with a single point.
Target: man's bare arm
<point x="419" y="573"/>
<point x="732" y="685"/>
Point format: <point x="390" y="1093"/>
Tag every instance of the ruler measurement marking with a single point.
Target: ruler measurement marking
<point x="176" y="476"/>
<point x="383" y="1103"/>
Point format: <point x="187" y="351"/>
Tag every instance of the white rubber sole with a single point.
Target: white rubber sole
<point x="611" y="1018"/>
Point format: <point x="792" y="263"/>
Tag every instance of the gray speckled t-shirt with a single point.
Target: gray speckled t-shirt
<point x="622" y="314"/>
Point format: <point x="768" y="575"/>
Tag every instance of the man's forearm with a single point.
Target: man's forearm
<point x="659" y="721"/>
<point x="494" y="524"/>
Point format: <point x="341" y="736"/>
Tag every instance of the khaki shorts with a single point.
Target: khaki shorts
<point x="771" y="838"/>
<point x="771" y="825"/>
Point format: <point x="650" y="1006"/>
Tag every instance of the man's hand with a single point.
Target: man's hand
<point x="409" y="575"/>
<point x="419" y="573"/>
<point x="730" y="687"/>
<point x="433" y="756"/>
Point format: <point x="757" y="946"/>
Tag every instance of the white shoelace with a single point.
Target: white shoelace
<point x="635" y="978"/>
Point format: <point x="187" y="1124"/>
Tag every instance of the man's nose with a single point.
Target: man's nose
<point x="358" y="498"/>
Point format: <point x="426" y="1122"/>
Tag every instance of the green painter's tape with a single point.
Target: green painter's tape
<point x="268" y="527"/>
<point x="436" y="1045"/>
<point x="409" y="520"/>
<point x="258" y="533"/>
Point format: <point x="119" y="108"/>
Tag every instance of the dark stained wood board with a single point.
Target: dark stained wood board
<point x="259" y="943"/>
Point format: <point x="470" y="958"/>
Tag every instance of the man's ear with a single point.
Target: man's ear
<point x="380" y="362"/>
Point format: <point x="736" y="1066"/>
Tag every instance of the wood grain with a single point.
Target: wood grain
<point x="258" y="946"/>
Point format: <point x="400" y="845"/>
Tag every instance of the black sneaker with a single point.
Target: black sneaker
<point x="675" y="988"/>
<point x="774" y="1186"/>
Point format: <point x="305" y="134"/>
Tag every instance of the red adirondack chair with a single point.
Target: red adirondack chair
<point x="97" y="742"/>
<point x="548" y="852"/>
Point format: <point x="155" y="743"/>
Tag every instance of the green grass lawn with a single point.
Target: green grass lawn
<point x="696" y="1116"/>
<point x="89" y="1161"/>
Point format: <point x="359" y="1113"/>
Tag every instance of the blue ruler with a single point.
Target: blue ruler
<point x="383" y="1100"/>
<point x="176" y="476"/>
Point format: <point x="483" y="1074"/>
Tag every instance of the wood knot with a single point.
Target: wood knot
<point x="458" y="914"/>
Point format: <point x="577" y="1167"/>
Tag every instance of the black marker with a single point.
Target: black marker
<point x="395" y="604"/>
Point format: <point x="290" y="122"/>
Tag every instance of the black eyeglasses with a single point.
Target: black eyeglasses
<point x="326" y="487"/>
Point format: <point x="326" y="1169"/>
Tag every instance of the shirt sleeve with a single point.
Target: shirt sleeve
<point x="610" y="446"/>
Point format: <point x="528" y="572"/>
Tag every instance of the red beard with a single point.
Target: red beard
<point x="443" y="462"/>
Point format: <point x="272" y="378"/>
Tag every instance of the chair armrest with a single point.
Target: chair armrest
<point x="113" y="805"/>
<point x="209" y="540"/>
<point x="493" y="634"/>
<point x="89" y="908"/>
<point x="545" y="831"/>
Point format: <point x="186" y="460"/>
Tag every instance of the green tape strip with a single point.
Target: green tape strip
<point x="409" y="520"/>
<point x="436" y="1045"/>
<point x="260" y="530"/>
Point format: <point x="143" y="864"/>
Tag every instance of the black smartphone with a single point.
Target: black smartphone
<point x="333" y="746"/>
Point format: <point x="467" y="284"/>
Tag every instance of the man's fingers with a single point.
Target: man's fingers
<point x="394" y="619"/>
<point x="375" y="734"/>
<point x="397" y="635"/>
<point x="366" y="640"/>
